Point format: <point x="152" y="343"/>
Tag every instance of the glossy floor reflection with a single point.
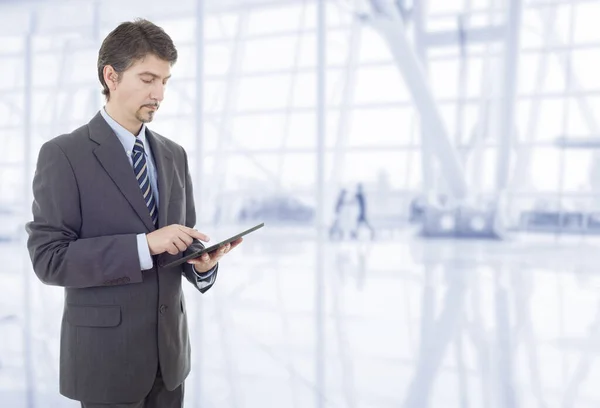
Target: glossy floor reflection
<point x="406" y="322"/>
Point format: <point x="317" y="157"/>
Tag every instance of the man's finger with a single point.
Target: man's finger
<point x="217" y="258"/>
<point x="186" y="238"/>
<point x="236" y="242"/>
<point x="180" y="244"/>
<point x="222" y="251"/>
<point x="172" y="249"/>
<point x="201" y="259"/>
<point x="194" y="233"/>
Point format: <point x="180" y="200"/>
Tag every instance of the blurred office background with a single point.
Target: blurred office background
<point x="465" y="131"/>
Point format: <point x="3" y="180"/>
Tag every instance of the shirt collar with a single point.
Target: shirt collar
<point x="126" y="138"/>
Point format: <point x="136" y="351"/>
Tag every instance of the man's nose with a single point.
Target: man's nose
<point x="158" y="93"/>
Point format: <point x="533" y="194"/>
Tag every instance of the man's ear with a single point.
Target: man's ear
<point x="111" y="77"/>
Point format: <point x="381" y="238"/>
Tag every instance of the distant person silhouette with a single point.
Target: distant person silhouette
<point x="336" y="230"/>
<point x="361" y="219"/>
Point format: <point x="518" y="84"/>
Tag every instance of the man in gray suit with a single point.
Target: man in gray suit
<point x="113" y="202"/>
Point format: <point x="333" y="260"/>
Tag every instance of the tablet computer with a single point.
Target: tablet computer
<point x="212" y="248"/>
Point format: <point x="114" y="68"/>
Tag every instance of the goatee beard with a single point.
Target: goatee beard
<point x="145" y="118"/>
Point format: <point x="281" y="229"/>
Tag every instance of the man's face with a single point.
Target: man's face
<point x="142" y="88"/>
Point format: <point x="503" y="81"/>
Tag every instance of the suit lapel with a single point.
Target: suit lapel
<point x="163" y="159"/>
<point x="112" y="157"/>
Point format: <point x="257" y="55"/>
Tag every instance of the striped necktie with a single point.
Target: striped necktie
<point x="140" y="168"/>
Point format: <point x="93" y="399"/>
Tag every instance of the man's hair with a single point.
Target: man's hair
<point x="131" y="42"/>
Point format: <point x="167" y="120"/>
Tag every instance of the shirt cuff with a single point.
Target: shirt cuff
<point x="144" y="252"/>
<point x="205" y="275"/>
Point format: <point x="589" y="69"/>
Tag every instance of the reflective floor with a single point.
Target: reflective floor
<point x="402" y="322"/>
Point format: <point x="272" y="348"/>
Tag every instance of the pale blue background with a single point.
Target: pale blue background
<point x="474" y="128"/>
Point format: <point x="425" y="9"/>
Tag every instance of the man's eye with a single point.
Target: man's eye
<point x="146" y="81"/>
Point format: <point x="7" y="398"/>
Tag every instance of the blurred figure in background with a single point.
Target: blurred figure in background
<point x="361" y="219"/>
<point x="337" y="228"/>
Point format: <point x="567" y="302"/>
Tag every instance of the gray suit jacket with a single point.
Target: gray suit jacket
<point x="118" y="322"/>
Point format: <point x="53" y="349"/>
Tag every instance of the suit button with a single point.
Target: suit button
<point x="162" y="308"/>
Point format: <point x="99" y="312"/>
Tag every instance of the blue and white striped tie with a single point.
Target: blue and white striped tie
<point x="140" y="168"/>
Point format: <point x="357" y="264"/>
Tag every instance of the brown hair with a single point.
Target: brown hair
<point x="131" y="42"/>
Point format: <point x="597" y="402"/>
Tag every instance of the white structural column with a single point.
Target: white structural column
<point x="348" y="90"/>
<point x="199" y="399"/>
<point x="29" y="365"/>
<point x="389" y="24"/>
<point x="506" y="124"/>
<point x="427" y="168"/>
<point x="320" y="206"/>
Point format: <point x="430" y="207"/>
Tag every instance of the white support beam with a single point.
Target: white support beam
<point x="320" y="284"/>
<point x="587" y="142"/>
<point x="28" y="122"/>
<point x="506" y="123"/>
<point x="225" y="126"/>
<point x="289" y="109"/>
<point x="391" y="27"/>
<point x="344" y="120"/>
<point x="198" y="103"/>
<point x="198" y="180"/>
<point x="471" y="36"/>
<point x="427" y="163"/>
<point x="521" y="176"/>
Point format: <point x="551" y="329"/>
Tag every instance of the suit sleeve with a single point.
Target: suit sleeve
<point x="202" y="284"/>
<point x="59" y="256"/>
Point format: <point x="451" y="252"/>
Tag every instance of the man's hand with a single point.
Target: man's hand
<point x="173" y="239"/>
<point x="208" y="261"/>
